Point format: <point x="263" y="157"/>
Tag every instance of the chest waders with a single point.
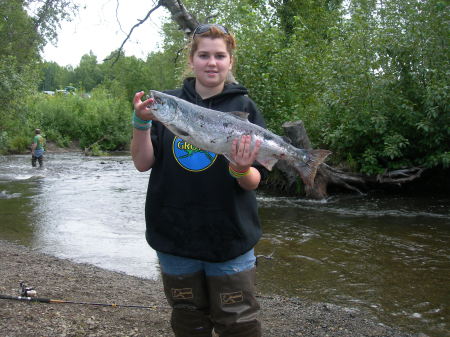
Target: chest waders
<point x="219" y="306"/>
<point x="39" y="159"/>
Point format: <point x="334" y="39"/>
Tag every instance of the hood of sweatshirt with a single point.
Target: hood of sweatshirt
<point x="229" y="91"/>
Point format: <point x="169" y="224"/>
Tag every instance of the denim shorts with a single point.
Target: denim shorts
<point x="177" y="265"/>
<point x="38" y="153"/>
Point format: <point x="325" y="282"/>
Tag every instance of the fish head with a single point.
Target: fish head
<point x="164" y="106"/>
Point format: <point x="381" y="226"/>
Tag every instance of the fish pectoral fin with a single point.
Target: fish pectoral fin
<point x="267" y="162"/>
<point x="240" y="114"/>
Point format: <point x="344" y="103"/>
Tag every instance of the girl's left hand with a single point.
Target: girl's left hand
<point x="242" y="154"/>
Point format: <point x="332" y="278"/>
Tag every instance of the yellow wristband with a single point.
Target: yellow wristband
<point x="238" y="174"/>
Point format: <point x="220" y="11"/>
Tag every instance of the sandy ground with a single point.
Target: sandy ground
<point x="62" y="279"/>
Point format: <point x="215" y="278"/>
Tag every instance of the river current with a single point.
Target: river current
<point x="386" y="255"/>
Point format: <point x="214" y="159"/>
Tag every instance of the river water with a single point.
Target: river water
<point x="386" y="255"/>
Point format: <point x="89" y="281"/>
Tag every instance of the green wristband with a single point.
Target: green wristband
<point x="139" y="123"/>
<point x="142" y="127"/>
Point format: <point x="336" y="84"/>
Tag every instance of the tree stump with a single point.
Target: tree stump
<point x="296" y="133"/>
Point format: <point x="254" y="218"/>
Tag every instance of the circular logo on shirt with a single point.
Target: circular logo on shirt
<point x="191" y="157"/>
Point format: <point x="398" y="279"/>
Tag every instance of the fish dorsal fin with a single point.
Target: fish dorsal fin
<point x="240" y="114"/>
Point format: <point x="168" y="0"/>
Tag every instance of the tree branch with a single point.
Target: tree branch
<point x="117" y="16"/>
<point x="140" y="22"/>
<point x="180" y="15"/>
<point x="400" y="176"/>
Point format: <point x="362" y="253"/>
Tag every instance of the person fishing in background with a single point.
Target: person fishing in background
<point x="37" y="149"/>
<point x="201" y="210"/>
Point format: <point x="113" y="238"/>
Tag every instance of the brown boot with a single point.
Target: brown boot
<point x="233" y="305"/>
<point x="187" y="294"/>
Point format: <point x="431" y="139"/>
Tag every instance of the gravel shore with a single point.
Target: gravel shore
<point x="62" y="279"/>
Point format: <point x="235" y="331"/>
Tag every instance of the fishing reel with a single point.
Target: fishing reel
<point x="26" y="291"/>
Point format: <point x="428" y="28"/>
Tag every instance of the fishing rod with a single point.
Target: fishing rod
<point x="28" y="294"/>
<point x="49" y="300"/>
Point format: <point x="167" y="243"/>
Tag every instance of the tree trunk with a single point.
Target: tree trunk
<point x="298" y="137"/>
<point x="180" y="15"/>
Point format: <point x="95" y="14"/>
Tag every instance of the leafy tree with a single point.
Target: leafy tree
<point x="22" y="35"/>
<point x="56" y="77"/>
<point x="47" y="16"/>
<point x="382" y="105"/>
<point x="88" y="74"/>
<point x="312" y="15"/>
<point x="161" y="71"/>
<point x="18" y="57"/>
<point x="129" y="72"/>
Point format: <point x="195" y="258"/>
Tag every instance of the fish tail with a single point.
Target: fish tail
<point x="307" y="167"/>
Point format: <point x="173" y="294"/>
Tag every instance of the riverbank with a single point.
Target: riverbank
<point x="62" y="279"/>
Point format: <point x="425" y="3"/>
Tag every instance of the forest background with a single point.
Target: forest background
<point x="369" y="78"/>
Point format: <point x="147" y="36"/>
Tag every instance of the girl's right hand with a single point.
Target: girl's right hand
<point x="141" y="107"/>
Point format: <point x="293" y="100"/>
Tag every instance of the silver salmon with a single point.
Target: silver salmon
<point x="214" y="131"/>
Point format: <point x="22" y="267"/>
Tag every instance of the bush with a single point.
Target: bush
<point x="102" y="119"/>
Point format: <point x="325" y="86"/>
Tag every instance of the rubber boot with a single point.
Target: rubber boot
<point x="188" y="296"/>
<point x="233" y="305"/>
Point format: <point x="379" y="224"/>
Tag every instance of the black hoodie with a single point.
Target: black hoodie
<point x="194" y="208"/>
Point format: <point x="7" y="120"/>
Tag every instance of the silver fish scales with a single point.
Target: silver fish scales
<point x="215" y="131"/>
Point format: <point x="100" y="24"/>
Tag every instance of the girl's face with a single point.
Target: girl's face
<point x="211" y="63"/>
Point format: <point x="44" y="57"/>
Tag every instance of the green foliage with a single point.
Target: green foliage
<point x="365" y="83"/>
<point x="96" y="151"/>
<point x="22" y="35"/>
<point x="102" y="119"/>
<point x="384" y="101"/>
<point x="17" y="143"/>
<point x="370" y="83"/>
<point x="55" y="77"/>
<point x="370" y="79"/>
<point x="47" y="15"/>
<point x="88" y="74"/>
<point x="17" y="32"/>
<point x="18" y="56"/>
<point x="56" y="137"/>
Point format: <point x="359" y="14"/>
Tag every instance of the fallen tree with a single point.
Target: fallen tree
<point x="327" y="176"/>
